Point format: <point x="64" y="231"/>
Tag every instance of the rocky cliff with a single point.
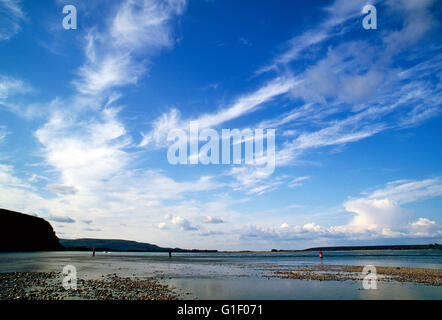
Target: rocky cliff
<point x="22" y="232"/>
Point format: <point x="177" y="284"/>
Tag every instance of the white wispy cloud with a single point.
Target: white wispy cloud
<point x="337" y="13"/>
<point x="138" y="28"/>
<point x="12" y="16"/>
<point x="10" y="86"/>
<point x="406" y="191"/>
<point x="357" y="77"/>
<point x="297" y="182"/>
<point x="253" y="181"/>
<point x="92" y="159"/>
<point x="354" y="73"/>
<point x="3" y="132"/>
<point x="243" y="105"/>
<point x="8" y="178"/>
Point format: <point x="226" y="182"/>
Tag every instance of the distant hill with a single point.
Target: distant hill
<point x="118" y="245"/>
<point x="109" y="245"/>
<point x="389" y="247"/>
<point x="23" y="232"/>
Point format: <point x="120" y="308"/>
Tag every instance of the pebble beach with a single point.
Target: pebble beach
<point x="342" y="272"/>
<point x="48" y="286"/>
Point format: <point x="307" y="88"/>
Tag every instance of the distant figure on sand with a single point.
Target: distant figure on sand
<point x="93" y="252"/>
<point x="320" y="254"/>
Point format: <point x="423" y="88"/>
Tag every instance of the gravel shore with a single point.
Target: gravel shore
<point x="344" y="272"/>
<point x="48" y="286"/>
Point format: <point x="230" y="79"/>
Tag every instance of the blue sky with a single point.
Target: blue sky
<point x="85" y="115"/>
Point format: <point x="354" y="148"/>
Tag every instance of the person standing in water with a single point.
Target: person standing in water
<point x="93" y="252"/>
<point x="320" y="254"/>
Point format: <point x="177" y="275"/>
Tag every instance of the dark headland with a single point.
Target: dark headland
<point x="23" y="232"/>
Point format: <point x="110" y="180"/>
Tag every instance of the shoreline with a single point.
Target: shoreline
<point x="178" y="253"/>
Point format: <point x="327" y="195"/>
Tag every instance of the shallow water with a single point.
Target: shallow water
<point x="237" y="275"/>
